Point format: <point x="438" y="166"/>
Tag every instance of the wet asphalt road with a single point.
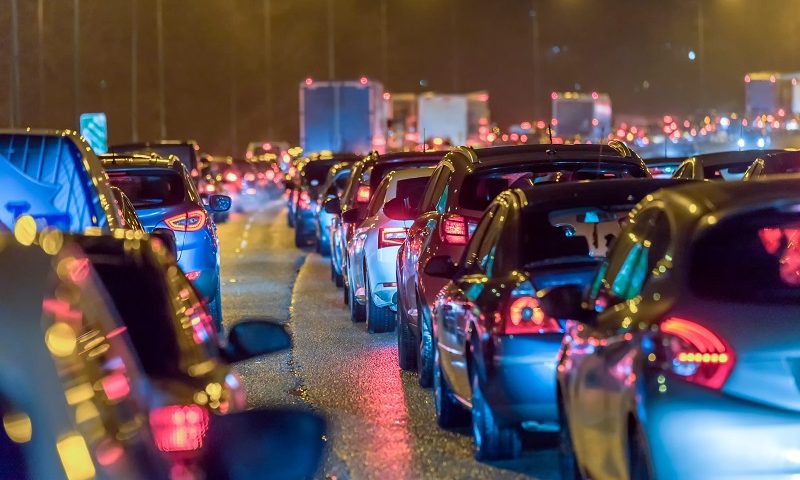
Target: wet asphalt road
<point x="381" y="423"/>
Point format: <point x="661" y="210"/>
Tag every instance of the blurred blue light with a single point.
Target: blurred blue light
<point x="692" y="55"/>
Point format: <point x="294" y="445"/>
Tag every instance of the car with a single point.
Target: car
<point x="463" y="185"/>
<point x="495" y="352"/>
<point x="307" y="194"/>
<point x="719" y="165"/>
<point x="164" y="196"/>
<point x="775" y="163"/>
<point x="187" y="151"/>
<point x="334" y="186"/>
<point x="372" y="252"/>
<point x="663" y="371"/>
<point x="364" y="179"/>
<point x="76" y="403"/>
<point x="54" y="177"/>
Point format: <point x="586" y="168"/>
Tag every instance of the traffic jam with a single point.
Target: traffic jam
<point x="430" y="281"/>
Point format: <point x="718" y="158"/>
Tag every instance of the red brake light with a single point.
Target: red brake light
<point x="524" y="315"/>
<point x="391" y="236"/>
<point x="455" y="230"/>
<point x="304" y="202"/>
<point x="192" y="276"/>
<point x="179" y="428"/>
<point x="191" y="221"/>
<point x="696" y="353"/>
<point x="210" y="188"/>
<point x="250" y="177"/>
<point x="362" y="195"/>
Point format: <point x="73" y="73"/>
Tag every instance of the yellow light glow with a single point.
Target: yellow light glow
<point x="79" y="393"/>
<point x="25" y="230"/>
<point x="60" y="339"/>
<point x="86" y="411"/>
<point x="18" y="427"/>
<point x="75" y="457"/>
<point x="51" y="241"/>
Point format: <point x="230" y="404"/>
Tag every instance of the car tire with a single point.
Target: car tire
<point x="379" y="319"/>
<point x="424" y="352"/>
<point x="492" y="441"/>
<point x="345" y="292"/>
<point x="406" y="345"/>
<point x="324" y="248"/>
<point x="567" y="461"/>
<point x="215" y="309"/>
<point x="358" y="312"/>
<point x="300" y="240"/>
<point x="638" y="462"/>
<point x="449" y="412"/>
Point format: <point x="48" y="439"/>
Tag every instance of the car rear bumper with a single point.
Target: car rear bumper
<point x="520" y="381"/>
<point x="197" y="253"/>
<point x="699" y="433"/>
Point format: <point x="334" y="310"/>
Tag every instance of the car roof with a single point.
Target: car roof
<point x="402" y="157"/>
<point x="123" y="161"/>
<point x="612" y="191"/>
<point x="153" y="143"/>
<point x="490" y="157"/>
<point x="413" y="172"/>
<point x="734" y="196"/>
<point x="726" y="158"/>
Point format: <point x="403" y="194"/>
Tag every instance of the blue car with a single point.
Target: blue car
<point x="164" y="196"/>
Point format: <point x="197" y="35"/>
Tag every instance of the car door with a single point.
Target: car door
<point x="358" y="244"/>
<point x="604" y="365"/>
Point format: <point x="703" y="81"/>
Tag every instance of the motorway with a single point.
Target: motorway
<point x="381" y="423"/>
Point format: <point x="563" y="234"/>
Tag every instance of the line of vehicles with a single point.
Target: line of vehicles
<point x="115" y="361"/>
<point x="567" y="290"/>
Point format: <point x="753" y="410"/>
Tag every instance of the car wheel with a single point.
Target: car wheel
<point x="492" y="442"/>
<point x="424" y="352"/>
<point x="638" y="463"/>
<point x="567" y="461"/>
<point x="406" y="344"/>
<point x="379" y="319"/>
<point x="300" y="240"/>
<point x="449" y="413"/>
<point x="215" y="309"/>
<point x="358" y="312"/>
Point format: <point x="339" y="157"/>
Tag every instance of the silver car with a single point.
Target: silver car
<point x="372" y="252"/>
<point x="683" y="358"/>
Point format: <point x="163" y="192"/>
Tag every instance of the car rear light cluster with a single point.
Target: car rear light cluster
<point x="304" y="202"/>
<point x="391" y="236"/>
<point x="179" y="428"/>
<point x="362" y="195"/>
<point x="456" y="230"/>
<point x="190" y="221"/>
<point x="525" y="315"/>
<point x="192" y="276"/>
<point x="210" y="188"/>
<point x="696" y="353"/>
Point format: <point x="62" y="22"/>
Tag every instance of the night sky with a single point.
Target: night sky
<point x="636" y="50"/>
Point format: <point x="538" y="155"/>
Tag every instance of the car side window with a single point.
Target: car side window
<point x="376" y="202"/>
<point x="426" y="204"/>
<point x="636" y="254"/>
<point x="482" y="253"/>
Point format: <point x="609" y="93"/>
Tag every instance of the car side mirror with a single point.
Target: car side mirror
<point x="354" y="215"/>
<point x="253" y="338"/>
<point x="167" y="237"/>
<point x="441" y="266"/>
<point x="219" y="203"/>
<point x="268" y="443"/>
<point x="565" y="302"/>
<point x="332" y="205"/>
<point x="398" y="209"/>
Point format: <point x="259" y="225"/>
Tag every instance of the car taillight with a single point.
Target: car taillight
<point x="179" y="428"/>
<point x="696" y="353"/>
<point x="305" y="200"/>
<point x="525" y="315"/>
<point x="210" y="188"/>
<point x="391" y="236"/>
<point x="250" y="177"/>
<point x="362" y="195"/>
<point x="456" y="229"/>
<point x="231" y="177"/>
<point x="191" y="221"/>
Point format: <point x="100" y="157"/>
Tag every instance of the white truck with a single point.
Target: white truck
<point x="584" y="116"/>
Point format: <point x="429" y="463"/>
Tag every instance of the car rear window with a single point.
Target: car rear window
<point x="481" y="187"/>
<point x="788" y="162"/>
<point x="150" y="189"/>
<point x="185" y="152"/>
<point x="753" y="258"/>
<point x="380" y="170"/>
<point x="726" y="172"/>
<point x="317" y="171"/>
<point x="410" y="190"/>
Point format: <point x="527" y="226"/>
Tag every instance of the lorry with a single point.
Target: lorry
<point x="771" y="93"/>
<point x="581" y="116"/>
<point x="342" y="116"/>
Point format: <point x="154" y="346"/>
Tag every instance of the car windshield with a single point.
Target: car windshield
<point x="149" y="189"/>
<point x="483" y="186"/>
<point x="752" y="258"/>
<point x="581" y="231"/>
